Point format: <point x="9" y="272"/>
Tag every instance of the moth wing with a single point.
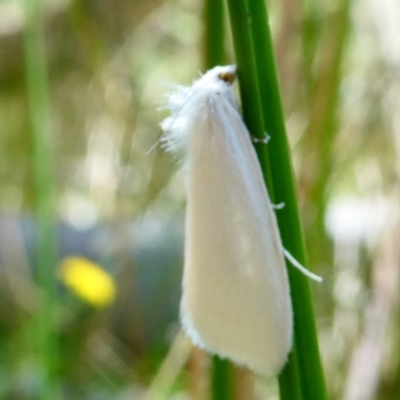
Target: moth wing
<point x="235" y="300"/>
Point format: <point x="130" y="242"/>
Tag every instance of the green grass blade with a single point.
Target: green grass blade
<point x="321" y="132"/>
<point x="214" y="33"/>
<point x="37" y="87"/>
<point x="214" y="54"/>
<point x="252" y="114"/>
<point x="260" y="94"/>
<point x="249" y="90"/>
<point x="221" y="379"/>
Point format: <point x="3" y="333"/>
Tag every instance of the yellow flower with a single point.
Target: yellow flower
<point x="88" y="280"/>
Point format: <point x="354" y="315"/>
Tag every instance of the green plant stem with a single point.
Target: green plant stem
<point x="252" y="114"/>
<point x="214" y="54"/>
<point x="260" y="95"/>
<point x="37" y="87"/>
<point x="214" y="33"/>
<point x="322" y="127"/>
<point x="221" y="381"/>
<point x="249" y="89"/>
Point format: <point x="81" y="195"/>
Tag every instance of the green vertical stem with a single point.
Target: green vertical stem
<point x="322" y="128"/>
<point x="221" y="381"/>
<point x="305" y="334"/>
<point x="252" y="114"/>
<point x="214" y="54"/>
<point x="214" y="33"/>
<point x="249" y="90"/>
<point x="303" y="375"/>
<point x="37" y="87"/>
<point x="311" y="32"/>
<point x="289" y="378"/>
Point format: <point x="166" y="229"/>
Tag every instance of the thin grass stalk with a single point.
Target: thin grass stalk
<point x="323" y="126"/>
<point x="249" y="91"/>
<point x="221" y="379"/>
<point x="305" y="333"/>
<point x="252" y="114"/>
<point x="311" y="32"/>
<point x="37" y="88"/>
<point x="214" y="33"/>
<point x="213" y="55"/>
<point x="252" y="39"/>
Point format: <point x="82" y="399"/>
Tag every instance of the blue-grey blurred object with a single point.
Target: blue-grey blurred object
<point x="145" y="257"/>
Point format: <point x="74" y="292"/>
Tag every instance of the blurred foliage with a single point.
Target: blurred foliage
<point x="109" y="64"/>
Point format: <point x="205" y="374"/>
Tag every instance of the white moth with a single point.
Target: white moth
<point x="235" y="300"/>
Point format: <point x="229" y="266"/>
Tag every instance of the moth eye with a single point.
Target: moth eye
<point x="227" y="77"/>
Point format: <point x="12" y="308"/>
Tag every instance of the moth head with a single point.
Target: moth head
<point x="228" y="74"/>
<point x="227" y="77"/>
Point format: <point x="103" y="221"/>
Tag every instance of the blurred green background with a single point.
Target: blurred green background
<point x="79" y="109"/>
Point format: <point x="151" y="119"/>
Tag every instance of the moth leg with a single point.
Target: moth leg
<point x="264" y="140"/>
<point x="297" y="265"/>
<point x="278" y="206"/>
